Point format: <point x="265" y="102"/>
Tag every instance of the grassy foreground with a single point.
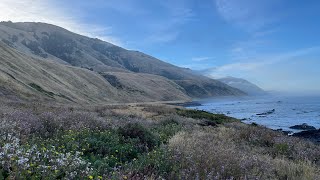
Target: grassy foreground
<point x="144" y="142"/>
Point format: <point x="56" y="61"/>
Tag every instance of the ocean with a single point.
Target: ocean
<point x="278" y="112"/>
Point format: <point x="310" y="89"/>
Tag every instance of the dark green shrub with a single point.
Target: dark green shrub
<point x="281" y="148"/>
<point x="147" y="140"/>
<point x="157" y="163"/>
<point x="110" y="146"/>
<point x="168" y="122"/>
<point x="199" y="114"/>
<point x="166" y="129"/>
<point x="105" y="150"/>
<point x="4" y="174"/>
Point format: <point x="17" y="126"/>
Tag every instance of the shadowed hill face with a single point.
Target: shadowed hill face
<point x="57" y="44"/>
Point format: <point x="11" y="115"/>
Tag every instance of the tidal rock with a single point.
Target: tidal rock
<point x="266" y="113"/>
<point x="303" y="126"/>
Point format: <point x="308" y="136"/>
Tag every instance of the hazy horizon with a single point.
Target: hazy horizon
<point x="273" y="44"/>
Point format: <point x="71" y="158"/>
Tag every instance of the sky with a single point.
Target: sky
<point x="272" y="43"/>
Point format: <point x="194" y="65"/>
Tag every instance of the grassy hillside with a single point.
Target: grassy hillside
<point x="57" y="44"/>
<point x="39" y="141"/>
<point x="32" y="78"/>
<point x="142" y="85"/>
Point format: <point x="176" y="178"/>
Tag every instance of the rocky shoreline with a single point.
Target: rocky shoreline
<point x="312" y="135"/>
<point x="307" y="132"/>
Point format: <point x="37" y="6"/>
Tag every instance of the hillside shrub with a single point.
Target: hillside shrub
<point x="199" y="114"/>
<point x="147" y="140"/>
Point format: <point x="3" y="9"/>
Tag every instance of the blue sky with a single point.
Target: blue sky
<point x="273" y="43"/>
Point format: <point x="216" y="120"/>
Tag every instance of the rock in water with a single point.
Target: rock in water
<point x="303" y="126"/>
<point x="266" y="113"/>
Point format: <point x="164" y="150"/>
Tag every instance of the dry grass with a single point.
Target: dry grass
<point x="224" y="153"/>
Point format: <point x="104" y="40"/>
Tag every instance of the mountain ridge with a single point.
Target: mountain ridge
<point x="31" y="78"/>
<point x="243" y="84"/>
<point x="52" y="43"/>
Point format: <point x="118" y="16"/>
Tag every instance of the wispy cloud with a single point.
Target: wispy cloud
<point x="292" y="71"/>
<point x="251" y="15"/>
<point x="128" y="7"/>
<point x="265" y="32"/>
<point x="162" y="37"/>
<point x="159" y="28"/>
<point x="257" y="19"/>
<point x="255" y="65"/>
<point x="199" y="63"/>
<point x="199" y="59"/>
<point x="248" y="49"/>
<point x="167" y="27"/>
<point x="195" y="66"/>
<point x="47" y="11"/>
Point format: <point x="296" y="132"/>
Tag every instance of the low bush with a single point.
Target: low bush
<point x="166" y="129"/>
<point x="159" y="109"/>
<point x="156" y="164"/>
<point x="147" y="140"/>
<point x="199" y="114"/>
<point x="98" y="153"/>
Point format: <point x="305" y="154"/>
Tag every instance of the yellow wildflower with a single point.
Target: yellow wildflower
<point x="90" y="177"/>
